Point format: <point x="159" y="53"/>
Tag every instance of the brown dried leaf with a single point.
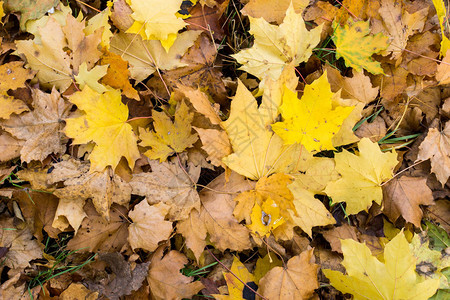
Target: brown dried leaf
<point x="96" y="234"/>
<point x="148" y="227"/>
<point x="297" y="281"/>
<point x="199" y="71"/>
<point x="165" y="279"/>
<point x="169" y="184"/>
<point x="104" y="188"/>
<point x="402" y="197"/>
<point x="272" y="11"/>
<point x="194" y="231"/>
<point x="436" y="147"/>
<point x="216" y="213"/>
<point x="374" y="130"/>
<point x="22" y="247"/>
<point x="41" y="128"/>
<point x="335" y="235"/>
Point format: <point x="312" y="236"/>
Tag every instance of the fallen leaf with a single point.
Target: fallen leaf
<point x="367" y="277"/>
<point x="122" y="279"/>
<point x="165" y="279"/>
<point x="234" y="280"/>
<point x="14" y="77"/>
<point x="309" y="121"/>
<point x="399" y="24"/>
<point x="194" y="231"/>
<point x="337" y="234"/>
<point x="402" y="197"/>
<point x="297" y="281"/>
<point x="91" y="77"/>
<point x="356" y="46"/>
<point x="436" y="148"/>
<point x="256" y="149"/>
<point x="9" y="146"/>
<point x="374" y="130"/>
<point x="156" y="20"/>
<point x="103" y="120"/>
<point x="145" y="57"/>
<point x="104" y="188"/>
<point x="78" y="291"/>
<point x="22" y="246"/>
<point x="169" y="137"/>
<point x="362" y="176"/>
<point x="39" y="9"/>
<point x="96" y="234"/>
<point x="198" y="68"/>
<point x="117" y="75"/>
<point x="272" y="11"/>
<point x="40" y="128"/>
<point x="215" y="143"/>
<point x="148" y="227"/>
<point x="168" y="183"/>
<point x="216" y="213"/>
<point x="439" y="213"/>
<point x="47" y="56"/>
<point x="277" y="46"/>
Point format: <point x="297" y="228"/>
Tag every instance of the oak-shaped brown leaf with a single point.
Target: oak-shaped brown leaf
<point x="165" y="279"/>
<point x="21" y="245"/>
<point x="169" y="184"/>
<point x="97" y="234"/>
<point x="297" y="281"/>
<point x="148" y="227"/>
<point x="402" y="197"/>
<point x="47" y="52"/>
<point x="436" y="147"/>
<point x="103" y="188"/>
<point x="13" y="76"/>
<point x="41" y="128"/>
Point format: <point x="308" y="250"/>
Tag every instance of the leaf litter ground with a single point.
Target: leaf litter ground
<point x="224" y="149"/>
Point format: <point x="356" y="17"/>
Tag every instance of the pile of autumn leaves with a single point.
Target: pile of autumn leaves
<point x="271" y="179"/>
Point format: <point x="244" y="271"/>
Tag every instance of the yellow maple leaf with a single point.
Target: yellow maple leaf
<point x="91" y="77"/>
<point x="311" y="121"/>
<point x="277" y="46"/>
<point x="104" y="122"/>
<point x="265" y="218"/>
<point x="362" y="176"/>
<point x="356" y="47"/>
<point x="235" y="286"/>
<point x="258" y="152"/>
<point x="156" y="20"/>
<point x="277" y="205"/>
<point x="169" y="137"/>
<point x="368" y="278"/>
